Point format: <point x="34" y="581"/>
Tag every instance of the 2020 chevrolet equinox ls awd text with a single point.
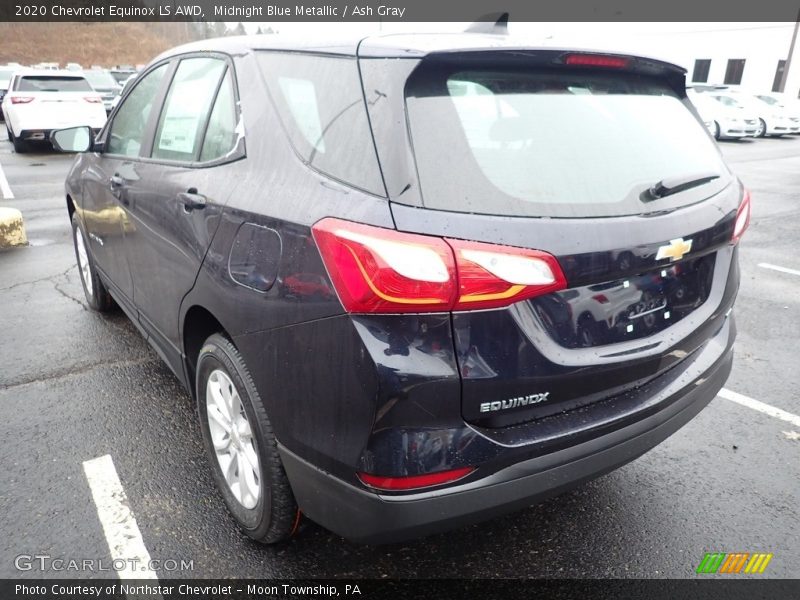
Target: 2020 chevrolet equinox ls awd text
<point x="413" y="281"/>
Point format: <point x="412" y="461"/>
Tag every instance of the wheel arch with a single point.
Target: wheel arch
<point x="198" y="324"/>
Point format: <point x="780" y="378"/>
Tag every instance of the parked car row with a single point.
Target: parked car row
<point x="730" y="113"/>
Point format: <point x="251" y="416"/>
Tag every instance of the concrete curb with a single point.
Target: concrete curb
<point x="12" y="228"/>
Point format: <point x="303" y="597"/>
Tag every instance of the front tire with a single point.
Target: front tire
<point x="97" y="296"/>
<point x="716" y="131"/>
<point x="241" y="446"/>
<point x="762" y="129"/>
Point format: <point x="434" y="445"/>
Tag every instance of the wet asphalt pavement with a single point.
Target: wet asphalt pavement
<point x="75" y="385"/>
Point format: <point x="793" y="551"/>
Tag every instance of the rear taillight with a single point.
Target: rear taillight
<point x="596" y="60"/>
<point x="376" y="270"/>
<point x="490" y="276"/>
<point x="21" y="99"/>
<point x="93" y="99"/>
<point x="414" y="481"/>
<point x="742" y="218"/>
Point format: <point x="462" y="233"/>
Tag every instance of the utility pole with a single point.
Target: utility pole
<point x="788" y="64"/>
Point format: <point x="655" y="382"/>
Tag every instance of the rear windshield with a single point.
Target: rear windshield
<point x="553" y="143"/>
<point x="47" y="83"/>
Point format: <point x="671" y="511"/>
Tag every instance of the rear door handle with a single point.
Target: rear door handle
<point x="191" y="200"/>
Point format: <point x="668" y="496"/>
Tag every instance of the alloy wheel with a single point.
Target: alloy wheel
<point x="233" y="440"/>
<point x="83" y="262"/>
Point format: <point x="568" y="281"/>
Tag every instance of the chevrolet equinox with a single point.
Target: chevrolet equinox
<point x="413" y="281"/>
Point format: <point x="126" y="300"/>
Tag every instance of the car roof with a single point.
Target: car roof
<point x="400" y="45"/>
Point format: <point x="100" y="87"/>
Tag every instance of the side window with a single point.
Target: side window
<point x="221" y="132"/>
<point x="186" y="109"/>
<point x="128" y="128"/>
<point x="320" y="102"/>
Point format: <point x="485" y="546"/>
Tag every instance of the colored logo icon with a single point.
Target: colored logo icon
<point x="737" y="562"/>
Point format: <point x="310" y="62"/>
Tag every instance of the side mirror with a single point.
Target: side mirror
<point x="74" y="139"/>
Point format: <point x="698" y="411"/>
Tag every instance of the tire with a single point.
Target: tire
<point x="97" y="296"/>
<point x="716" y="131"/>
<point x="20" y="145"/>
<point x="8" y="133"/>
<point x="268" y="514"/>
<point x="762" y="129"/>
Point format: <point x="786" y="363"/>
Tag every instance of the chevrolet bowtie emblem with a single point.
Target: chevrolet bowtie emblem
<point x="674" y="250"/>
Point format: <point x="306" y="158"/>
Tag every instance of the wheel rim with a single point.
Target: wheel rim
<point x="83" y="262"/>
<point x="233" y="441"/>
<point x="762" y="127"/>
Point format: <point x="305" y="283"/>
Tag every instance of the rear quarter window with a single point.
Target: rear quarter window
<point x="552" y="142"/>
<point x="321" y="105"/>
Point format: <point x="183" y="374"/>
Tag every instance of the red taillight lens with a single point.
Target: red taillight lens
<point x="596" y="60"/>
<point x="414" y="481"/>
<point x="376" y="270"/>
<point x="21" y="99"/>
<point x="490" y="276"/>
<point x="93" y="99"/>
<point x="742" y="218"/>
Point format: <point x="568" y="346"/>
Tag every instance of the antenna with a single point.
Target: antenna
<point x="496" y="23"/>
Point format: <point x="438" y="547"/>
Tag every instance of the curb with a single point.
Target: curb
<point x="12" y="228"/>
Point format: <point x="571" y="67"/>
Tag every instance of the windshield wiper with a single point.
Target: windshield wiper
<point x="675" y="185"/>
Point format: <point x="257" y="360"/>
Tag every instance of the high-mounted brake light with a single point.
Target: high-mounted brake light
<point x="376" y="270"/>
<point x="414" y="481"/>
<point x="21" y="99"/>
<point x="742" y="218"/>
<point x="596" y="60"/>
<point x="93" y="99"/>
<point x="491" y="276"/>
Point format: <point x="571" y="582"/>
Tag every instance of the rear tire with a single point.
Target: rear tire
<point x="97" y="296"/>
<point x="716" y="131"/>
<point x="241" y="446"/>
<point x="20" y="145"/>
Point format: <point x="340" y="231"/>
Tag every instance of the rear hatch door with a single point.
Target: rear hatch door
<point x="598" y="161"/>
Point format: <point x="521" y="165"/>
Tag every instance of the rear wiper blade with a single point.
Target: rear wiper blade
<point x="675" y="185"/>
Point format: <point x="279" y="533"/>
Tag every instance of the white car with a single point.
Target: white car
<point x="724" y="118"/>
<point x="784" y="105"/>
<point x="38" y="102"/>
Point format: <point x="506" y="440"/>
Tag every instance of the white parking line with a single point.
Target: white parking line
<point x="760" y="406"/>
<point x="777" y="268"/>
<point x="4" y="187"/>
<point x="119" y="525"/>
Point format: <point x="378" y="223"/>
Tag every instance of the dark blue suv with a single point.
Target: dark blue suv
<point x="414" y="281"/>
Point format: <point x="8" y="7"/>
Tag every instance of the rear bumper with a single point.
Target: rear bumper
<point x="365" y="516"/>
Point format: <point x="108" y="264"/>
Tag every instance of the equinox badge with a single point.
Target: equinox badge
<point x="514" y="402"/>
<point x="674" y="250"/>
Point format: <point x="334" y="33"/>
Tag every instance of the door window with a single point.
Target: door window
<point x="127" y="131"/>
<point x="221" y="135"/>
<point x="186" y="109"/>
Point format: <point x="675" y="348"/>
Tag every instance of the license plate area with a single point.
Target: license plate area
<point x="628" y="308"/>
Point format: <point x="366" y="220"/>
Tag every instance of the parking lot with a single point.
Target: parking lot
<point x="75" y="386"/>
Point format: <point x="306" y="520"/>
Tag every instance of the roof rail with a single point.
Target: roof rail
<point x="496" y="23"/>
